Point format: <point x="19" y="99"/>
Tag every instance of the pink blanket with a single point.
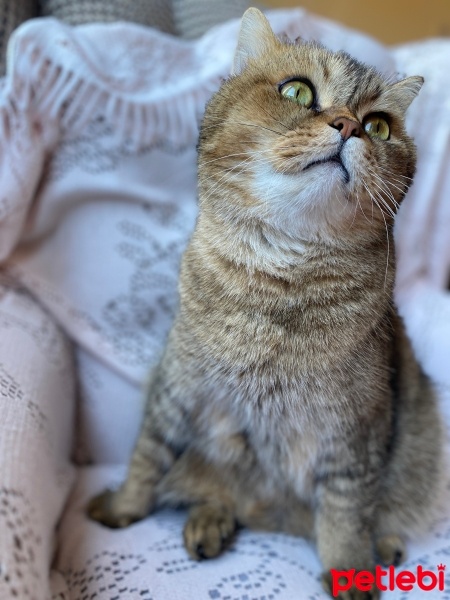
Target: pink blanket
<point x="97" y="200"/>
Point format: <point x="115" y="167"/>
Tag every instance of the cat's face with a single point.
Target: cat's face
<point x="308" y="141"/>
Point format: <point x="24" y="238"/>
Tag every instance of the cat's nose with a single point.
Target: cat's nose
<point x="347" y="128"/>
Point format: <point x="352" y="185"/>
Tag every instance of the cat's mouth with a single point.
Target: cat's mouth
<point x="335" y="159"/>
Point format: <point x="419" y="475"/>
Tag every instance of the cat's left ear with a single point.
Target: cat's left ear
<point x="255" y="38"/>
<point x="401" y="94"/>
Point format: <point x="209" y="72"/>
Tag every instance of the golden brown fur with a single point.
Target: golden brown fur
<point x="288" y="397"/>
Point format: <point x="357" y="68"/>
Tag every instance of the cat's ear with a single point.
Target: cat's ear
<point x="255" y="38"/>
<point x="402" y="93"/>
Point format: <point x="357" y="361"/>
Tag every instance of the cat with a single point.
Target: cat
<point x="288" y="397"/>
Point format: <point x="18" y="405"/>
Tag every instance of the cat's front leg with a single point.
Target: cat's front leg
<point x="344" y="524"/>
<point x="135" y="498"/>
<point x="162" y="438"/>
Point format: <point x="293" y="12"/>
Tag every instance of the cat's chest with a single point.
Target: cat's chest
<point x="284" y="448"/>
<point x="289" y="457"/>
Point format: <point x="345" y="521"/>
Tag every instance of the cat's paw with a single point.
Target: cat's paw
<point x="209" y="529"/>
<point x="108" y="508"/>
<point x="341" y="593"/>
<point x="391" y="550"/>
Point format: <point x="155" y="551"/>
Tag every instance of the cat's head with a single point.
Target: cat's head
<point x="307" y="141"/>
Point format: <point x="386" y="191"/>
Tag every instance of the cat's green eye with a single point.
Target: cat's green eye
<point x="377" y="127"/>
<point x="298" y="91"/>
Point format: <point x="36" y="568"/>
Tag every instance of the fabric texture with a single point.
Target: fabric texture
<point x="37" y="415"/>
<point x="185" y="18"/>
<point x="12" y="14"/>
<point x="153" y="13"/>
<point x="193" y="17"/>
<point x="98" y="198"/>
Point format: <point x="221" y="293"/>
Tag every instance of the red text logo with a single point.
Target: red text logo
<point x="387" y="579"/>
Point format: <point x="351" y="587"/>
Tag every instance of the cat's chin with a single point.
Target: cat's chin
<point x="309" y="204"/>
<point x="331" y="168"/>
<point x="334" y="163"/>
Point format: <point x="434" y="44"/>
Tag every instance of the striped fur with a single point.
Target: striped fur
<point x="288" y="397"/>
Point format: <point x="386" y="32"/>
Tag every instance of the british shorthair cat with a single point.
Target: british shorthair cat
<point x="288" y="397"/>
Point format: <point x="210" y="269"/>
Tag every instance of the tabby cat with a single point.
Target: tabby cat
<point x="288" y="397"/>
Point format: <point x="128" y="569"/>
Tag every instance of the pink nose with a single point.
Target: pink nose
<point x="347" y="128"/>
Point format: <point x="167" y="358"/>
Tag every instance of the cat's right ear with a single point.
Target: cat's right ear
<point x="255" y="38"/>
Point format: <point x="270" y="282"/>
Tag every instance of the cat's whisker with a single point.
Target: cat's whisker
<point x="208" y="162"/>
<point x="240" y="168"/>
<point x="390" y="184"/>
<point x="384" y="202"/>
<point x="354" y="215"/>
<point x="338" y="199"/>
<point x="386" y="195"/>
<point x="374" y="200"/>
<point x="261" y="127"/>
<point x="272" y="117"/>
<point x="388" y="210"/>
<point x="362" y="210"/>
<point x="218" y="183"/>
<point x="379" y="201"/>
<point x="257" y="125"/>
<point x="390" y="173"/>
<point x="388" y="249"/>
<point x="402" y="179"/>
<point x="245" y="153"/>
<point x="385" y="186"/>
